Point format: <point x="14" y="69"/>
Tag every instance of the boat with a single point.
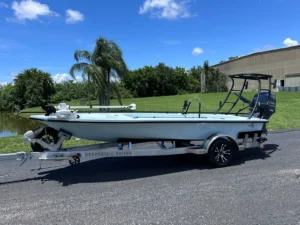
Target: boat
<point x="180" y="127"/>
<point x="218" y="134"/>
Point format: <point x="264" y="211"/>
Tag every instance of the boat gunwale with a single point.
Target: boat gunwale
<point x="150" y="120"/>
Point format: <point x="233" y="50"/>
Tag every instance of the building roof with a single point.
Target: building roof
<point x="257" y="53"/>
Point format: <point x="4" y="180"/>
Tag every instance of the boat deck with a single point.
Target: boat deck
<point x="149" y="117"/>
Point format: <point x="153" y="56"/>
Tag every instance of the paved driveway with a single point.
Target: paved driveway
<point x="260" y="188"/>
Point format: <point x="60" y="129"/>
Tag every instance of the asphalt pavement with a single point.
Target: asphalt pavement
<point x="259" y="188"/>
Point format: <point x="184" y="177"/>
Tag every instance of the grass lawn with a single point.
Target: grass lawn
<point x="15" y="144"/>
<point x="287" y="113"/>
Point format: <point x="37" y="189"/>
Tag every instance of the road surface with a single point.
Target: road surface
<point x="260" y="188"/>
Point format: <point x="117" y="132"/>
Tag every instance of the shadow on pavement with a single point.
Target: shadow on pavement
<point x="127" y="168"/>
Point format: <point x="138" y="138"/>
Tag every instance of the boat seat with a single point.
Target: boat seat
<point x="63" y="106"/>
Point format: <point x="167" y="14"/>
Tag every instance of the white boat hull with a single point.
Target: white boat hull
<point x="113" y="127"/>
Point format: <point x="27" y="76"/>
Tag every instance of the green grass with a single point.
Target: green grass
<point x="16" y="144"/>
<point x="287" y="113"/>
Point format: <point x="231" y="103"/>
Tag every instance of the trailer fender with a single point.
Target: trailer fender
<point x="210" y="140"/>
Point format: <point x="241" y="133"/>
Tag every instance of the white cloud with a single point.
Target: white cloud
<point x="289" y="42"/>
<point x="3" y="84"/>
<point x="13" y="74"/>
<point x="29" y="10"/>
<point x="61" y="77"/>
<point x="74" y="16"/>
<point x="166" y="9"/>
<point x="3" y="5"/>
<point x="78" y="78"/>
<point x="197" y="51"/>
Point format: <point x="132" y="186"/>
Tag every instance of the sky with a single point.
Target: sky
<point x="45" y="33"/>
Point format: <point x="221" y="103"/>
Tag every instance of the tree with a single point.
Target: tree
<point x="90" y="70"/>
<point x="6" y="97"/>
<point x="206" y="71"/>
<point x="167" y="78"/>
<point x="216" y="81"/>
<point x="109" y="57"/>
<point x="69" y="90"/>
<point x="33" y="87"/>
<point x="196" y="73"/>
<point x="105" y="62"/>
<point x="232" y="58"/>
<point x="143" y="82"/>
<point x="217" y="75"/>
<point x="181" y="79"/>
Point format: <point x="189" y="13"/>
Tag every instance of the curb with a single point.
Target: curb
<point x="283" y="130"/>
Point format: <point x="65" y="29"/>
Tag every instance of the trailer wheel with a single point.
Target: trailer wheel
<point x="51" y="137"/>
<point x="75" y="161"/>
<point x="220" y="153"/>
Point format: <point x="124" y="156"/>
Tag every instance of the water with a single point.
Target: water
<point x="11" y="125"/>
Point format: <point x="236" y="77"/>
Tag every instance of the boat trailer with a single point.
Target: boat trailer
<point x="219" y="148"/>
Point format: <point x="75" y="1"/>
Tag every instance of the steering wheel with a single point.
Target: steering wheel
<point x="243" y="99"/>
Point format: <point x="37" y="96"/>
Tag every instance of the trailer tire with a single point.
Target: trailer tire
<point x="221" y="152"/>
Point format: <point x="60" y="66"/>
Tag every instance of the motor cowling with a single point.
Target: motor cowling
<point x="49" y="109"/>
<point x="31" y="134"/>
<point x="266" y="105"/>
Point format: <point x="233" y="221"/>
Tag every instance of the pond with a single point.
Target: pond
<point x="11" y="125"/>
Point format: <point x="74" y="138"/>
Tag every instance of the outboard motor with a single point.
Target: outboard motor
<point x="266" y="106"/>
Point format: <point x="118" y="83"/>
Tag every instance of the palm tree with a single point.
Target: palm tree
<point x="109" y="57"/>
<point x="90" y="71"/>
<point x="217" y="75"/>
<point x="206" y="71"/>
<point x="99" y="66"/>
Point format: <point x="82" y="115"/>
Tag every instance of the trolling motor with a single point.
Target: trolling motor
<point x="49" y="109"/>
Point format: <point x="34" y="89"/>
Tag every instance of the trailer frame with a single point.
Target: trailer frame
<point x="213" y="146"/>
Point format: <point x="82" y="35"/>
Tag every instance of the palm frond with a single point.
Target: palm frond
<point x="78" y="67"/>
<point x="97" y="75"/>
<point x="108" y="54"/>
<point x="82" y="54"/>
<point x="115" y="89"/>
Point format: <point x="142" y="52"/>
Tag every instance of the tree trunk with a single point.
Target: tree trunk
<point x="203" y="83"/>
<point x="101" y="100"/>
<point x="206" y="82"/>
<point x="89" y="90"/>
<point x="217" y="77"/>
<point x="108" y="88"/>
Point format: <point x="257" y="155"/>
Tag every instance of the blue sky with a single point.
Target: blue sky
<point x="45" y="33"/>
